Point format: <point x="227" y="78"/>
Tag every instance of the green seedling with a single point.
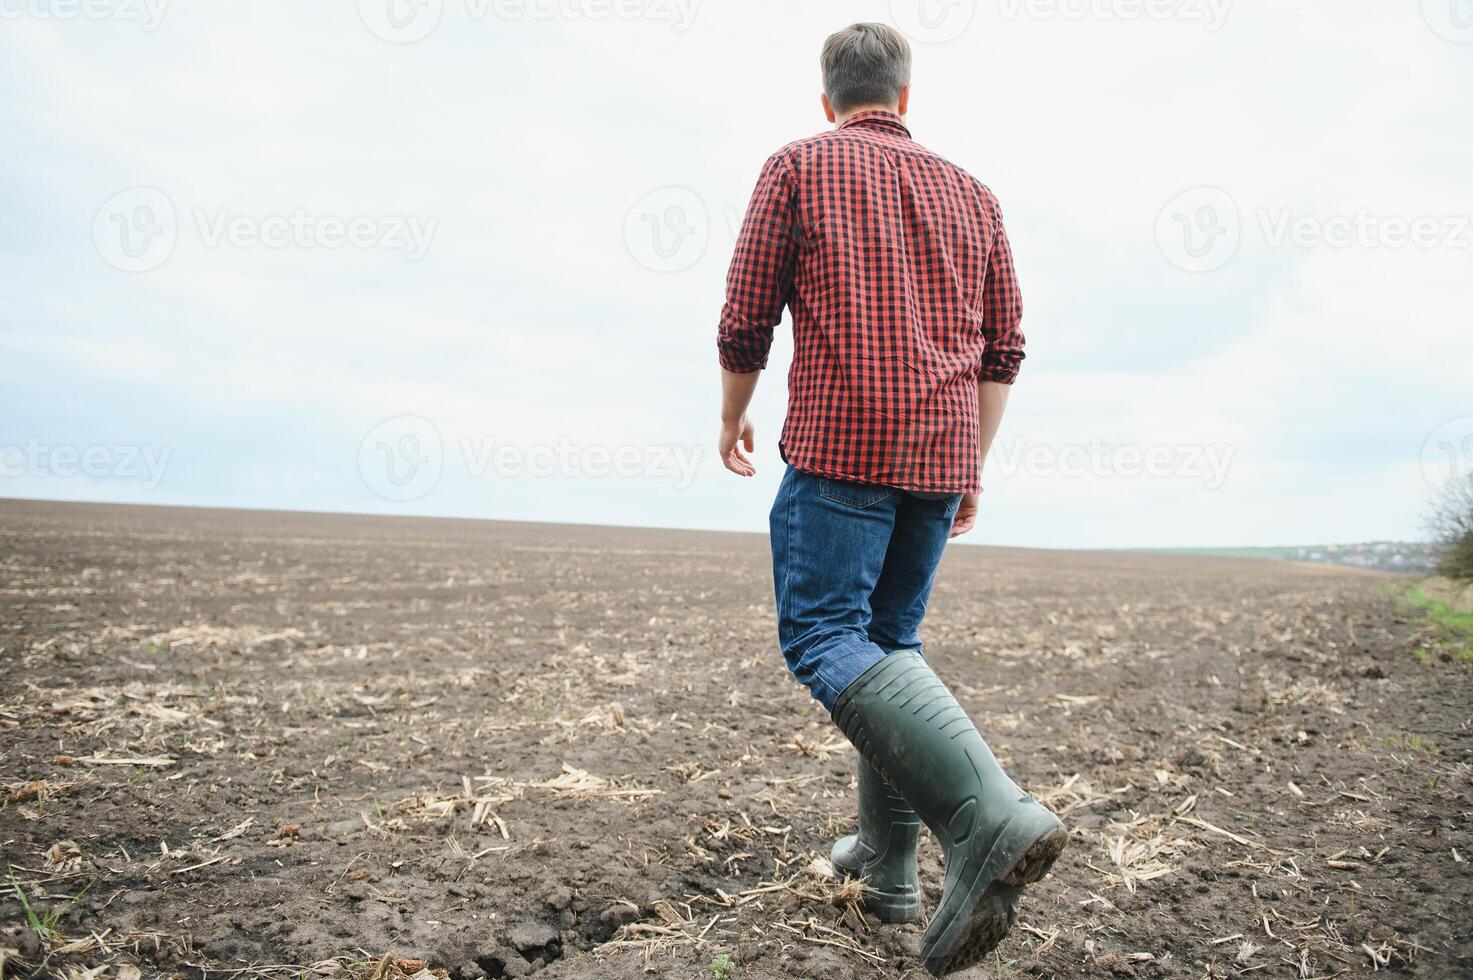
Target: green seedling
<point x="43" y="925"/>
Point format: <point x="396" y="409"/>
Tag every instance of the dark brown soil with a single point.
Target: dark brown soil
<point x="511" y="749"/>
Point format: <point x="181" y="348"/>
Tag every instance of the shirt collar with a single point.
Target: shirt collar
<point x="881" y="119"/>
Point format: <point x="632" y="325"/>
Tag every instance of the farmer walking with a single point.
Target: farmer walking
<point x="906" y="339"/>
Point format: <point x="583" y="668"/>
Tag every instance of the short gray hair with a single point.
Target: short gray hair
<point x="865" y="64"/>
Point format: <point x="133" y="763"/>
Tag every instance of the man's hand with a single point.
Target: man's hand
<point x="736" y="394"/>
<point x="966" y="515"/>
<point x="734" y="437"/>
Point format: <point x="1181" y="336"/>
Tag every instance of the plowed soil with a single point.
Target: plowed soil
<point x="284" y="744"/>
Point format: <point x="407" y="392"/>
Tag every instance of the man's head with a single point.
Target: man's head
<point x="865" y="66"/>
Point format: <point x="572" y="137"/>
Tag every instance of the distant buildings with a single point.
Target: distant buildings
<point x="1387" y="556"/>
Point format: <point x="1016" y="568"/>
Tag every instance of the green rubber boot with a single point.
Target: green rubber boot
<point x="884" y="851"/>
<point x="995" y="837"/>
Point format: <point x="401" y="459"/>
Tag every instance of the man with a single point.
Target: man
<point x="905" y="311"/>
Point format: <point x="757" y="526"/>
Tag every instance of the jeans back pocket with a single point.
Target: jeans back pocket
<point x="859" y="495"/>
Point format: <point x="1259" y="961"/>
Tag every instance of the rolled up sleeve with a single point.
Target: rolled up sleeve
<point x="760" y="279"/>
<point x="1002" y="310"/>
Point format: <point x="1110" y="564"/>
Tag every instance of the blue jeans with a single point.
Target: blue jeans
<point x="852" y="565"/>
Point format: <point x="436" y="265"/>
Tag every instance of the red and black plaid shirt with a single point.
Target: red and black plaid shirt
<point x="900" y="280"/>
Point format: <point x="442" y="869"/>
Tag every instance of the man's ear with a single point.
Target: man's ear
<point x="828" y="108"/>
<point x="904" y="99"/>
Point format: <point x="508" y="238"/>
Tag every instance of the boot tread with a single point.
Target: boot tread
<point x="989" y="924"/>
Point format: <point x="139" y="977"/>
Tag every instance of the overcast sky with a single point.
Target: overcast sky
<point x="466" y="257"/>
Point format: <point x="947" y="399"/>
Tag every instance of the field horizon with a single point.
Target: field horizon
<point x="1265" y="552"/>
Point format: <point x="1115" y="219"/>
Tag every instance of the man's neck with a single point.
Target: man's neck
<point x="842" y="118"/>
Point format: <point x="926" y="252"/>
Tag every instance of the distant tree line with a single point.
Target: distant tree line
<point x="1451" y="524"/>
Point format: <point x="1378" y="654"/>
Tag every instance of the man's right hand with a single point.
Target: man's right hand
<point x="735" y="436"/>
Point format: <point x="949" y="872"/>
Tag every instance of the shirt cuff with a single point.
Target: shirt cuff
<point x="739" y="361"/>
<point x="1004" y="374"/>
<point x="743" y="347"/>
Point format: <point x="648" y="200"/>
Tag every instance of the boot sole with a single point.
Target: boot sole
<point x="992" y="913"/>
